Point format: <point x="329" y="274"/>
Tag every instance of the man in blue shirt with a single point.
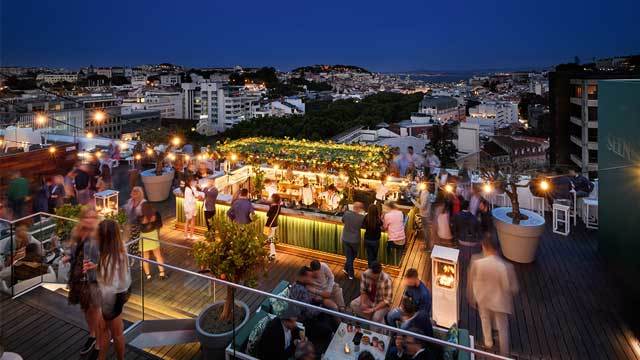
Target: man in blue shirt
<point x="418" y="292"/>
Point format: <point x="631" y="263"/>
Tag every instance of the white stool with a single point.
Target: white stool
<point x="590" y="219"/>
<point x="574" y="207"/>
<point x="537" y="205"/>
<point x="561" y="219"/>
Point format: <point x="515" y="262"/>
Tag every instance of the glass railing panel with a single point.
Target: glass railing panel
<point x="327" y="332"/>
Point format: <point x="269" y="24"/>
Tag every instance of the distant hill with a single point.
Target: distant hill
<point x="331" y="68"/>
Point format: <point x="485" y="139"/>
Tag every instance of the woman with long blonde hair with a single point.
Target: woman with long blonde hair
<point x="114" y="280"/>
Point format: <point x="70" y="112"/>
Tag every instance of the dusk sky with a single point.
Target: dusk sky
<point x="379" y="35"/>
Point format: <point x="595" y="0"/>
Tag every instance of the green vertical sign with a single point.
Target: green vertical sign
<point x="619" y="174"/>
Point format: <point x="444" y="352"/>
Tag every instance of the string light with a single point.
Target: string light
<point x="448" y="188"/>
<point x="52" y="150"/>
<point x="234" y="157"/>
<point x="149" y="151"/>
<point x="187" y="157"/>
<point x="423" y="186"/>
<point x="89" y="135"/>
<point x="487" y="188"/>
<point x="138" y="157"/>
<point x="175" y="141"/>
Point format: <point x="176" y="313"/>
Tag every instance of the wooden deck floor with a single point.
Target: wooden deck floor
<point x="35" y="333"/>
<point x="567" y="307"/>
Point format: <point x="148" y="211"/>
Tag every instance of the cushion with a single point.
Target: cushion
<point x="450" y="353"/>
<point x="278" y="306"/>
<point x="254" y="336"/>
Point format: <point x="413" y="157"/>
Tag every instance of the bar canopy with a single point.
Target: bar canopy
<point x="364" y="161"/>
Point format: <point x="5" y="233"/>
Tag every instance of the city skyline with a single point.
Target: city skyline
<point x="410" y="37"/>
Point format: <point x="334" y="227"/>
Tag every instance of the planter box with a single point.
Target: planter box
<point x="519" y="243"/>
<point x="157" y="187"/>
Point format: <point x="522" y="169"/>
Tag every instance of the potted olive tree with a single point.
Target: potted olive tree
<point x="518" y="229"/>
<point x="157" y="181"/>
<point x="234" y="253"/>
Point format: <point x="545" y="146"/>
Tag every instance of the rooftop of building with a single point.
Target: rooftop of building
<point x="439" y="102"/>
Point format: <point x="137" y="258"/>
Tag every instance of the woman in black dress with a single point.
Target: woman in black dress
<point x="372" y="225"/>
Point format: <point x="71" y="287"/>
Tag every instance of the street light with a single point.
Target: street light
<point x="41" y="119"/>
<point x="99" y="116"/>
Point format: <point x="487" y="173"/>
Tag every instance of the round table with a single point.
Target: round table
<point x="10" y="356"/>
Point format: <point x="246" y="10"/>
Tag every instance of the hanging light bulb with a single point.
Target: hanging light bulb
<point x="175" y="141"/>
<point x="52" y="150"/>
<point x="149" y="151"/>
<point x="89" y="135"/>
<point x="487" y="188"/>
<point x="41" y="119"/>
<point x="544" y="185"/>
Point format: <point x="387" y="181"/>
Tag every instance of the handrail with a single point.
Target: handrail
<point x="296" y="302"/>
<point x="324" y="310"/>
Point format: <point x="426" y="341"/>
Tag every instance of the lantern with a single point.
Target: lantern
<point x="445" y="277"/>
<point x="106" y="202"/>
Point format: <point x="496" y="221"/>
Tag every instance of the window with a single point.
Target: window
<point x="593" y="135"/>
<point x="592" y="92"/>
<point x="593" y="113"/>
<point x="575" y="111"/>
<point x="576" y="91"/>
<point x="593" y="156"/>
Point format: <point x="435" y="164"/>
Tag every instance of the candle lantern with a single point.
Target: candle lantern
<point x="445" y="276"/>
<point x="106" y="202"/>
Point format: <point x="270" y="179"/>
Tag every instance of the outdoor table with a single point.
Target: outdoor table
<point x="335" y="350"/>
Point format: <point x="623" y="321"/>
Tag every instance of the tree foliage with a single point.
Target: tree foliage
<point x="325" y="120"/>
<point x="232" y="252"/>
<point x="442" y="145"/>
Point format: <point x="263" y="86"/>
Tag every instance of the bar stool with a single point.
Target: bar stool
<point x="537" y="205"/>
<point x="574" y="207"/>
<point x="561" y="219"/>
<point x="590" y="220"/>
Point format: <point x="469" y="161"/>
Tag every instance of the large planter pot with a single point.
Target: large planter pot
<point x="157" y="187"/>
<point x="519" y="243"/>
<point x="213" y="345"/>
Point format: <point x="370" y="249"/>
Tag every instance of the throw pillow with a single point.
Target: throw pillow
<point x="451" y="353"/>
<point x="254" y="336"/>
<point x="278" y="306"/>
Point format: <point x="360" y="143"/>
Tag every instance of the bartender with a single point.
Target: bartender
<point x="331" y="198"/>
<point x="306" y="193"/>
<point x="381" y="192"/>
<point x="271" y="187"/>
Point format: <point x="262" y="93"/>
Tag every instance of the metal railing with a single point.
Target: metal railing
<point x="380" y="327"/>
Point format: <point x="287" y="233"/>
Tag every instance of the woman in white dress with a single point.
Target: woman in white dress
<point x="189" y="205"/>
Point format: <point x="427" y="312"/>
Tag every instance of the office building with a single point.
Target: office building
<point x="573" y="104"/>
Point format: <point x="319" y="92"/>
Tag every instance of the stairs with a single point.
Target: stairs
<point x="162" y="325"/>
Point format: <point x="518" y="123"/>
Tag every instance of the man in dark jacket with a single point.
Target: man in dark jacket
<point x="278" y="340"/>
<point x="352" y="220"/>
<point x="465" y="226"/>
<point x="581" y="184"/>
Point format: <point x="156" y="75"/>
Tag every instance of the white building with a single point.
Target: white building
<point x="283" y="107"/>
<point x="55" y="78"/>
<point x="169" y="79"/>
<point x="103" y="71"/>
<point x="468" y="138"/>
<point x="441" y="108"/>
<point x="504" y="112"/>
<point x="138" y="80"/>
<point x="217" y="106"/>
<point x="168" y="103"/>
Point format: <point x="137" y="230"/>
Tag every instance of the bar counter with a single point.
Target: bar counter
<point x="304" y="229"/>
